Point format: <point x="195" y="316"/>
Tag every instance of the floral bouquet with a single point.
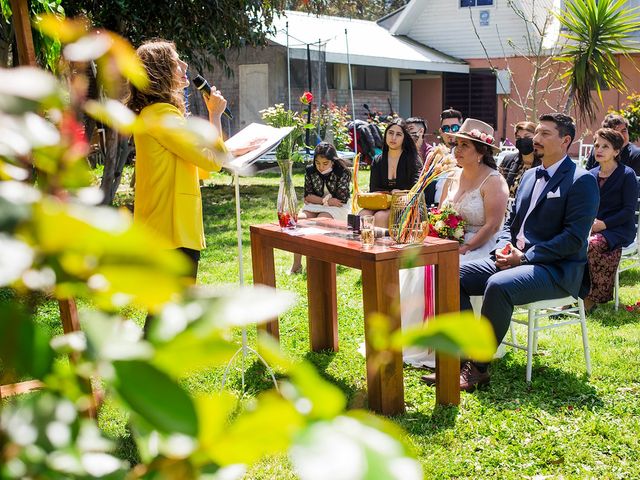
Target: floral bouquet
<point x="287" y="152"/>
<point x="446" y="223"/>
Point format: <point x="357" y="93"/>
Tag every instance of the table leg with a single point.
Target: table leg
<point x="447" y="300"/>
<point x="381" y="293"/>
<point x="264" y="273"/>
<point x="323" y="306"/>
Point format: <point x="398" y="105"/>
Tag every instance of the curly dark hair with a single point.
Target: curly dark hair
<point x="159" y="58"/>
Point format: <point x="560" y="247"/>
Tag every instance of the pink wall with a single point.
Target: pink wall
<point x="522" y="71"/>
<point x="426" y="102"/>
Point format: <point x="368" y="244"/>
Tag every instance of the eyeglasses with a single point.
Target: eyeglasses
<point x="450" y="128"/>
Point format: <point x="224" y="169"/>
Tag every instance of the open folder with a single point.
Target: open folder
<point x="272" y="135"/>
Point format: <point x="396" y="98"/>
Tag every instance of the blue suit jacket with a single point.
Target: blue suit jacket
<point x="557" y="230"/>
<point x="618" y="200"/>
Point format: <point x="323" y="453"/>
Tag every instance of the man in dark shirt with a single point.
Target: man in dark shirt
<point x="629" y="154"/>
<point x="417" y="128"/>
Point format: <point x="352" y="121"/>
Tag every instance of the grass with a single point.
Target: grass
<point x="562" y="425"/>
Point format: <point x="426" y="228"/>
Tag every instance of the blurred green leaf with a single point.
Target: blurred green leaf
<point x="189" y="352"/>
<point x="266" y="429"/>
<point x="313" y="395"/>
<point x="128" y="61"/>
<point x="27" y="89"/>
<point x="459" y="334"/>
<point x="155" y="397"/>
<point x="112" y="113"/>
<point x="24" y="346"/>
<point x="347" y="448"/>
<point x="64" y="29"/>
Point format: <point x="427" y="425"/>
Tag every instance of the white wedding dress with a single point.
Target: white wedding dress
<point x="470" y="207"/>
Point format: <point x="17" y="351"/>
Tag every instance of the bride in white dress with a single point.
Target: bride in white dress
<point x="479" y="194"/>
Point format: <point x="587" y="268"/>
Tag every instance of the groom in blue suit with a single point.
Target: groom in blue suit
<point x="542" y="251"/>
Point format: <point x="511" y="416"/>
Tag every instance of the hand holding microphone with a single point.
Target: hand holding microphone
<point x="216" y="103"/>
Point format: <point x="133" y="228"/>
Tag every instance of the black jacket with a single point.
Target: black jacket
<point x="407" y="173"/>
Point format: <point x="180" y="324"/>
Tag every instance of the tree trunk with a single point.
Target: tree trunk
<point x="118" y="151"/>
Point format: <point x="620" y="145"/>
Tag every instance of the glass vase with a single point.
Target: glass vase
<point x="287" y="201"/>
<point x="408" y="217"/>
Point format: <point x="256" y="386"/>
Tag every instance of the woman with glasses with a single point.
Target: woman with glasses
<point x="514" y="165"/>
<point x="397" y="168"/>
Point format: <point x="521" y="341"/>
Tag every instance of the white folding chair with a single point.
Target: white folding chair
<point x="546" y="308"/>
<point x="630" y="257"/>
<point x="583" y="153"/>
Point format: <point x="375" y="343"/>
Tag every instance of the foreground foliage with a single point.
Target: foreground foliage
<point x="56" y="243"/>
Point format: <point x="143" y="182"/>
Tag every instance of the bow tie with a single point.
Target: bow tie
<point x="542" y="173"/>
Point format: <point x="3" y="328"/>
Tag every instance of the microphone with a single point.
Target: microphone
<point x="201" y="84"/>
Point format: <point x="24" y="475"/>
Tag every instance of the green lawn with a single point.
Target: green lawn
<point x="562" y="425"/>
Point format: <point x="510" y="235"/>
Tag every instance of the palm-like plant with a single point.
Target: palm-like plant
<point x="596" y="31"/>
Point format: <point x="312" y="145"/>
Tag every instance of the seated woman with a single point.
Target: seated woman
<point x="326" y="190"/>
<point x="397" y="168"/>
<point x="513" y="166"/>
<point x="614" y="226"/>
<point x="479" y="194"/>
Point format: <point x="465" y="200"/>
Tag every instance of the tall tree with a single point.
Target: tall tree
<point x="597" y="31"/>
<point x="361" y="9"/>
<point x="203" y="31"/>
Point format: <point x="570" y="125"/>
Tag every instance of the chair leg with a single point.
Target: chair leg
<point x="513" y="336"/>
<point x="530" y="335"/>
<point x="535" y="335"/>
<point x="585" y="338"/>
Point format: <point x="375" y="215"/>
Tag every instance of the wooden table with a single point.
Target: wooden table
<point x="380" y="290"/>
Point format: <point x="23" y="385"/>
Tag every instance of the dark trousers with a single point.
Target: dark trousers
<point x="194" y="258"/>
<point x="502" y="289"/>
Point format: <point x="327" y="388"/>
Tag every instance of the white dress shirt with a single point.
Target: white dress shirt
<point x="537" y="190"/>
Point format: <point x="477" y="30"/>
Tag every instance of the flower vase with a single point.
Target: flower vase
<point x="408" y="218"/>
<point x="287" y="200"/>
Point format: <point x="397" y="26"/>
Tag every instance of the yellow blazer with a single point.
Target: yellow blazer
<point x="168" y="165"/>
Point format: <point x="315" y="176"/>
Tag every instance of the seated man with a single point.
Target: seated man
<point x="542" y="251"/>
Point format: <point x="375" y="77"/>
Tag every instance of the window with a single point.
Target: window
<point x="476" y="3"/>
<point x="369" y="78"/>
<point x="299" y="74"/>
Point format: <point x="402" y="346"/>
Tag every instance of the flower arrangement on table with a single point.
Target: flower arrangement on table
<point x="288" y="152"/>
<point x="410" y="220"/>
<point x="446" y="223"/>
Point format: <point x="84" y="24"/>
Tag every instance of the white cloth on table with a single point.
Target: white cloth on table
<point x="470" y="206"/>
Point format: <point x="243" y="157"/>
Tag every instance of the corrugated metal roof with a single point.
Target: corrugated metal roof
<point x="369" y="43"/>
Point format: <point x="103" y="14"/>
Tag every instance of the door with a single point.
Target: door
<point x="254" y="92"/>
<point x="405" y="98"/>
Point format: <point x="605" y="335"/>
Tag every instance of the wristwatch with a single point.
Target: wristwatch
<point x="524" y="260"/>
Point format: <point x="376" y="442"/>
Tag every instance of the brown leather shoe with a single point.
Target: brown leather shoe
<point x="471" y="377"/>
<point x="429" y="379"/>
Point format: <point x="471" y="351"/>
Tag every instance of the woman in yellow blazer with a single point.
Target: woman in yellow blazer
<point x="167" y="195"/>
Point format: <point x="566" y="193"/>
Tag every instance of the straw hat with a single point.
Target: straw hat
<point x="477" y="131"/>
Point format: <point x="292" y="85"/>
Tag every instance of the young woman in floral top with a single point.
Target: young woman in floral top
<point x="327" y="190"/>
